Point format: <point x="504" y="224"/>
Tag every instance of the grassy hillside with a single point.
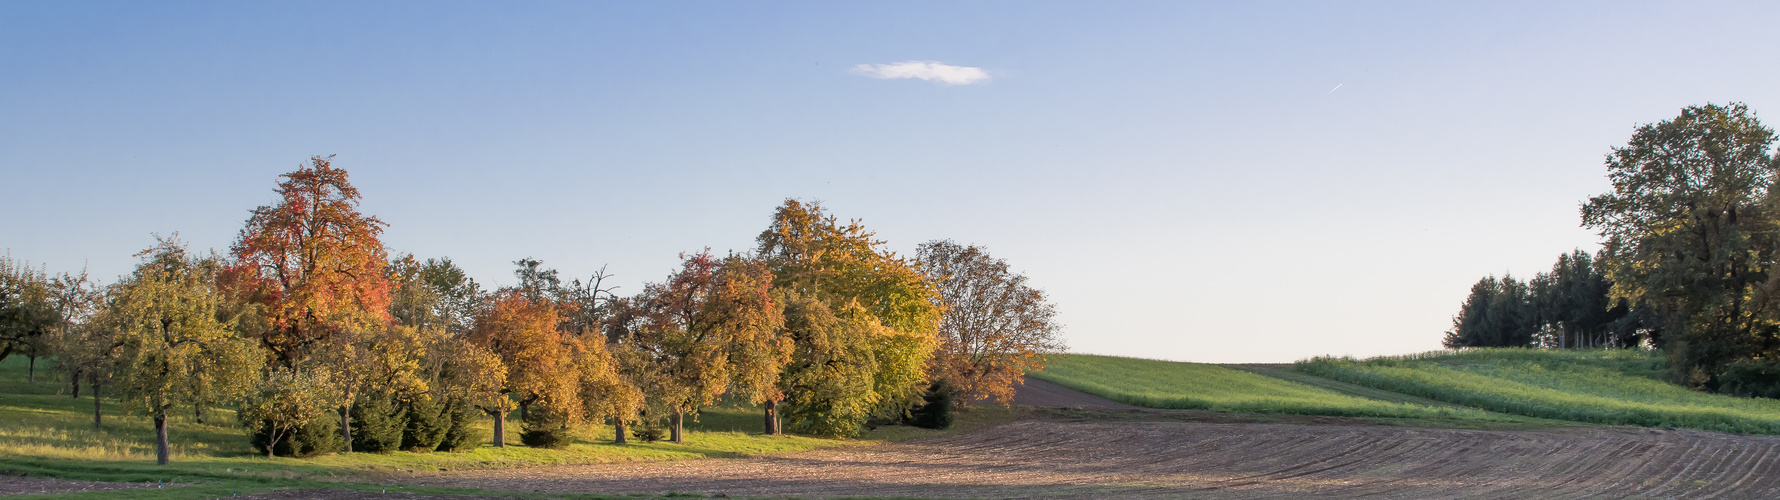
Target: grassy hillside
<point x="1604" y="387"/>
<point x="44" y="431"/>
<point x="1175" y="385"/>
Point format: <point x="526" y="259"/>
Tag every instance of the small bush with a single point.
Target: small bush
<point x="935" y="411"/>
<point x="322" y="435"/>
<point x="649" y="430"/>
<point x="1751" y="378"/>
<point x="545" y="427"/>
<point x="461" y="433"/>
<point x="376" y="424"/>
<point x="425" y="424"/>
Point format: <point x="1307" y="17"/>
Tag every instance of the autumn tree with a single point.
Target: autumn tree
<point x="604" y="391"/>
<point x="883" y="301"/>
<point x="995" y="328"/>
<point x="687" y="351"/>
<point x="466" y="376"/>
<point x="830" y="384"/>
<point x="163" y="318"/>
<point x="313" y="262"/>
<point x="1690" y="227"/>
<point x="523" y="333"/>
<point x="749" y="316"/>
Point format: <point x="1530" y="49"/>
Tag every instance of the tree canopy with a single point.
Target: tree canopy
<point x="995" y="327"/>
<point x="1690" y="228"/>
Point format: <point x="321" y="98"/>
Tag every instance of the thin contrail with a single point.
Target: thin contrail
<point x="1337" y="86"/>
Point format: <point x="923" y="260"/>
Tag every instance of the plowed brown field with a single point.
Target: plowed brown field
<point x="1052" y="457"/>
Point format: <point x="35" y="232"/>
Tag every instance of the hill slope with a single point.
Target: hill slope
<point x="1603" y="387"/>
<point x="1176" y="385"/>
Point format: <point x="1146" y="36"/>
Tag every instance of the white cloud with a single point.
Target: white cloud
<point x="926" y="70"/>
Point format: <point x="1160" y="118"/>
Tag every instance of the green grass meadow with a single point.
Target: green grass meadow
<point x="1620" y="387"/>
<point x="46" y="432"/>
<point x="1197" y="386"/>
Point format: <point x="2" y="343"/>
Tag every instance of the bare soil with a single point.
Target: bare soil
<point x="1096" y="448"/>
<point x="1037" y="392"/>
<point x="1048" y="457"/>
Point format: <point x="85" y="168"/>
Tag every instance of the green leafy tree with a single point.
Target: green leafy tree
<point x="880" y="300"/>
<point x="27" y="312"/>
<point x="284" y="405"/>
<point x="164" y="321"/>
<point x="84" y="350"/>
<point x="433" y="294"/>
<point x="1690" y="228"/>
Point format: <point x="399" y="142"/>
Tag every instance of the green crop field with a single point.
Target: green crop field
<point x="44" y="431"/>
<point x="1626" y="387"/>
<point x="1176" y="385"/>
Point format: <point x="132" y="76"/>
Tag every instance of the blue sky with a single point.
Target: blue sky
<point x="1185" y="179"/>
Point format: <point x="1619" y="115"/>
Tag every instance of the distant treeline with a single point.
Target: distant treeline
<point x="1571" y="306"/>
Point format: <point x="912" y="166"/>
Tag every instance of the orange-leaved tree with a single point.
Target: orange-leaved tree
<point x="316" y="267"/>
<point x="313" y="262"/>
<point x="539" y="359"/>
<point x="743" y="307"/>
<point x="996" y="326"/>
<point x="689" y="359"/>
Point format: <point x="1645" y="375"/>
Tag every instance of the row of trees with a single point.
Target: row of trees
<point x="326" y="343"/>
<point x="1570" y="306"/>
<point x="1691" y="238"/>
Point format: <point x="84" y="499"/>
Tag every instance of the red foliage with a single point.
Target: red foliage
<point x="312" y="261"/>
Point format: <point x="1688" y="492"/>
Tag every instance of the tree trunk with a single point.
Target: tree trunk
<point x="346" y="425"/>
<point x="618" y="425"/>
<point x="31" y="373"/>
<point x="161" y="437"/>
<point x="675" y="427"/>
<point x="75" y="381"/>
<point x="500" y="428"/>
<point x="198" y="412"/>
<point x="772" y="417"/>
<point x="95" y="402"/>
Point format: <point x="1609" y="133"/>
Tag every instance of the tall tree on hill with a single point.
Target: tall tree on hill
<point x="995" y="328"/>
<point x="313" y="262"/>
<point x="1691" y="229"/>
<point x="163" y="319"/>
<point x="843" y="271"/>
